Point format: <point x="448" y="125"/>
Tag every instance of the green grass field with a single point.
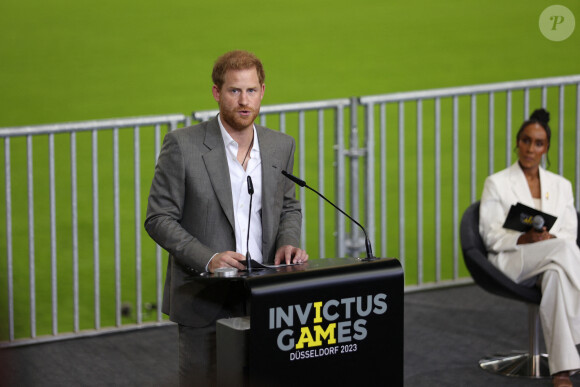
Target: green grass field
<point x="68" y="61"/>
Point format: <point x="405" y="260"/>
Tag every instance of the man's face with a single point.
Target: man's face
<point x="239" y="98"/>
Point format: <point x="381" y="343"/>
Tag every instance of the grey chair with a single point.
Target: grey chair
<point x="530" y="364"/>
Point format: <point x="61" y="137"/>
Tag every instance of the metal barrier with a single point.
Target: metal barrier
<point x="51" y="131"/>
<point x="305" y="121"/>
<point x="470" y="93"/>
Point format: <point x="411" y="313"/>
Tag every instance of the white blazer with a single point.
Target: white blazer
<point x="510" y="186"/>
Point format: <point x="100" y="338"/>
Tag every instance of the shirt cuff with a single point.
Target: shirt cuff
<point x="207" y="265"/>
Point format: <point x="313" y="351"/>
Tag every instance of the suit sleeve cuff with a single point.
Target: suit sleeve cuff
<point x="208" y="262"/>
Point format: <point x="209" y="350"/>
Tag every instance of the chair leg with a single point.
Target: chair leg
<point x="534" y="341"/>
<point x="532" y="364"/>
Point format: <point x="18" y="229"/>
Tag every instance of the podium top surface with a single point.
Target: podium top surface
<point x="311" y="267"/>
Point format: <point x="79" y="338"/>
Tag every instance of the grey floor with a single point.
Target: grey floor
<point x="446" y="332"/>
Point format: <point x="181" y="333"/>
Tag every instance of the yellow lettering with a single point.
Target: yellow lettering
<point x="321" y="334"/>
<point x="305" y="337"/>
<point x="317" y="306"/>
<point x="327" y="334"/>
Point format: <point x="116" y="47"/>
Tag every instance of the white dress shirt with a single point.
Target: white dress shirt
<point x="241" y="197"/>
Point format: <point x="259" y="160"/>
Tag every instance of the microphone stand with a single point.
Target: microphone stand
<point x="248" y="257"/>
<point x="302" y="183"/>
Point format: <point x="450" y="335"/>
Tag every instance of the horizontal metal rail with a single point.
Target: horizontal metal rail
<point x="81" y="126"/>
<point x="84" y="333"/>
<point x="205" y="115"/>
<point x="468" y="90"/>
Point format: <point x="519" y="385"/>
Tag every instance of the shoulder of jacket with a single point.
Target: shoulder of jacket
<point x="554" y="176"/>
<point x="503" y="174"/>
<point x="191" y="129"/>
<point x="189" y="132"/>
<point x="555" y="179"/>
<point x="278" y="136"/>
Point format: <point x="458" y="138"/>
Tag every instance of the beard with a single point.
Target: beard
<point x="235" y="121"/>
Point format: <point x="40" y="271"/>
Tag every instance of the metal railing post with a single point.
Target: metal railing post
<point x="353" y="243"/>
<point x="369" y="192"/>
<point x="9" y="249"/>
<point x="340" y="185"/>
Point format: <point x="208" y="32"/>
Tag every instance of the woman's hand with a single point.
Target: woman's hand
<point x="533" y="236"/>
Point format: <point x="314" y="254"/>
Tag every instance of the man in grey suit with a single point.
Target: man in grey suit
<point x="198" y="209"/>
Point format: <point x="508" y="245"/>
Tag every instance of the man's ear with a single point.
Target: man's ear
<point x="216" y="93"/>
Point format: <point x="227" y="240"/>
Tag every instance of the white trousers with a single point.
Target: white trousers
<point x="558" y="261"/>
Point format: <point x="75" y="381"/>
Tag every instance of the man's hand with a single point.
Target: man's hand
<point x="290" y="254"/>
<point x="532" y="236"/>
<point x="227" y="259"/>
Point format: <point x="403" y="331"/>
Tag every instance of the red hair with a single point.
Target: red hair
<point x="236" y="60"/>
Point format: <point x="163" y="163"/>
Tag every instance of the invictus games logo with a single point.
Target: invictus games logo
<point x="328" y="328"/>
<point x="557" y="23"/>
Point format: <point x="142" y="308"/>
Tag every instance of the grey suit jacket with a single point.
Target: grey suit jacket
<point x="190" y="214"/>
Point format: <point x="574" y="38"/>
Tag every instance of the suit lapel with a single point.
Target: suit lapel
<point x="548" y="198"/>
<point x="519" y="185"/>
<point x="216" y="165"/>
<point x="271" y="171"/>
<point x="270" y="163"/>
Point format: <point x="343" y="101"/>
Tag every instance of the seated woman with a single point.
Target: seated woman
<point x="550" y="259"/>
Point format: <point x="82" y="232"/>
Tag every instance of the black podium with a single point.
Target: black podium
<point x="332" y="321"/>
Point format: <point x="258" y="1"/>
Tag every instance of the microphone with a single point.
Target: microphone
<point x="296" y="180"/>
<point x="302" y="183"/>
<point x="250" y="186"/>
<point x="538" y="223"/>
<point x="248" y="257"/>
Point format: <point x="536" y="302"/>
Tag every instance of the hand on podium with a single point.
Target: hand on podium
<point x="227" y="259"/>
<point x="289" y="254"/>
